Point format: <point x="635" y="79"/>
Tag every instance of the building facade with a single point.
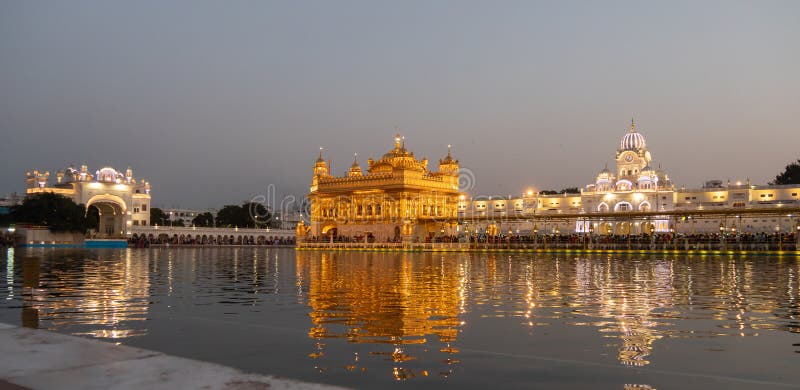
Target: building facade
<point x="636" y="185"/>
<point x="397" y="197"/>
<point x="121" y="200"/>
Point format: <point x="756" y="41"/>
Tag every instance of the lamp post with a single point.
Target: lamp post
<point x="780" y="239"/>
<point x="672" y="237"/>
<point x="557" y="232"/>
<point x="535" y="235"/>
<point x="797" y="236"/>
<point x="591" y="235"/>
<point x="652" y="236"/>
<point x="722" y="236"/>
<point x="733" y="234"/>
<point x="544" y="235"/>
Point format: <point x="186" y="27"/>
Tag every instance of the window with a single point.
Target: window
<point x="144" y="207"/>
<point x="794" y="194"/>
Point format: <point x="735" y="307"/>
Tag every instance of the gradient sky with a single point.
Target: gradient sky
<point x="213" y="101"/>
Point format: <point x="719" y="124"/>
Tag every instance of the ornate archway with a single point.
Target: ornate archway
<point x="111" y="215"/>
<point x="623" y="228"/>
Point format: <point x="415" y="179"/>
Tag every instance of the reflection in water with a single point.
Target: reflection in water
<point x="404" y="299"/>
<point x="384" y="298"/>
<point x="398" y="316"/>
<point x="110" y="295"/>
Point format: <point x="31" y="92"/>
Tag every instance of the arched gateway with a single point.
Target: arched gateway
<point x="117" y="198"/>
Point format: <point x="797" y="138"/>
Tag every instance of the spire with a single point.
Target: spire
<point x="320" y="159"/>
<point x="355" y="159"/>
<point x="633" y="126"/>
<point x="448" y="150"/>
<point x="397" y="138"/>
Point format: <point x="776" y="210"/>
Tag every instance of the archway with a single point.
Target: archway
<point x="110" y="219"/>
<point x="623" y="206"/>
<point x="111" y="212"/>
<point x="605" y="228"/>
<point x="623" y="228"/>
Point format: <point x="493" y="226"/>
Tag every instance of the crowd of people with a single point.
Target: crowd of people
<point x="740" y="241"/>
<point x="146" y="241"/>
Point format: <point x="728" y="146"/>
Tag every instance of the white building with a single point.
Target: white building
<point x="121" y="200"/>
<point x="636" y="185"/>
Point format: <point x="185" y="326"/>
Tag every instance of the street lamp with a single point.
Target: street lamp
<point x="722" y="236"/>
<point x="797" y="237"/>
<point x="672" y="237"/>
<point x="535" y="234"/>
<point x="557" y="232"/>
<point x="652" y="230"/>
<point x="591" y="235"/>
<point x="780" y="239"/>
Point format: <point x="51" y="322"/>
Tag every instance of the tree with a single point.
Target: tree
<point x="790" y="175"/>
<point x="571" y="190"/>
<point x="249" y="214"/>
<point x="158" y="217"/>
<point x="93" y="218"/>
<point x="231" y="215"/>
<point x="259" y="215"/>
<point x="203" y="220"/>
<point x="177" y="222"/>
<point x="57" y="212"/>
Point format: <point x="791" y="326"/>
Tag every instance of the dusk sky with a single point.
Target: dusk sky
<point x="213" y="101"/>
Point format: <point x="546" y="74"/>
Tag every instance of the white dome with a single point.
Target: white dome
<point x="632" y="140"/>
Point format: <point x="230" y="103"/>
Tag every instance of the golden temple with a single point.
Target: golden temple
<point x="397" y="199"/>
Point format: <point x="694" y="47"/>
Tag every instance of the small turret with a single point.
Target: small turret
<point x="320" y="167"/>
<point x="355" y="169"/>
<point x="448" y="165"/>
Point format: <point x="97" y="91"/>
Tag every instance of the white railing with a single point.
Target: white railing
<point x="207" y="231"/>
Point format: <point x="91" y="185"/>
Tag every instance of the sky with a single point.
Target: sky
<point x="213" y="102"/>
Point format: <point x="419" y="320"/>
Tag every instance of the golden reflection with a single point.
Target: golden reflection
<point x="384" y="298"/>
<point x="111" y="294"/>
<point x="10" y="273"/>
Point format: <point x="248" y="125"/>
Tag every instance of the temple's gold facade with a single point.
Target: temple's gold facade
<point x="397" y="198"/>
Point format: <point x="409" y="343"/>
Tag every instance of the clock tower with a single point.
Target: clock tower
<point x="632" y="155"/>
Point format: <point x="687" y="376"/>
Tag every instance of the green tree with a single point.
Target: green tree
<point x="158" y="217"/>
<point x="57" y="212"/>
<point x="177" y="222"/>
<point x="249" y="215"/>
<point x="790" y="175"/>
<point x="203" y="220"/>
<point x="93" y="218"/>
<point x="259" y="215"/>
<point x="231" y="215"/>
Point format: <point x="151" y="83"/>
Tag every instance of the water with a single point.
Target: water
<point x="429" y="320"/>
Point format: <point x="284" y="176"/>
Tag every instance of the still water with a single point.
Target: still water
<point x="429" y="320"/>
